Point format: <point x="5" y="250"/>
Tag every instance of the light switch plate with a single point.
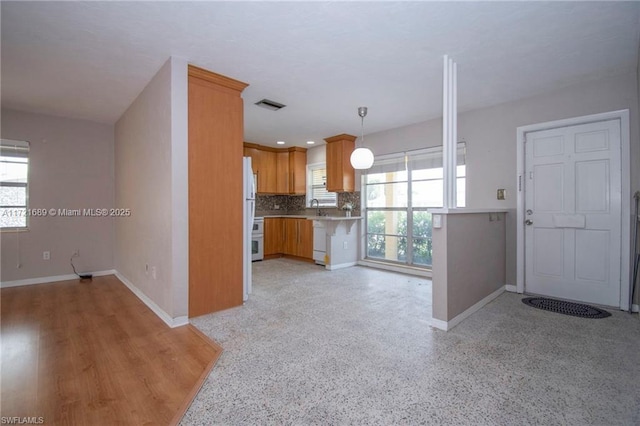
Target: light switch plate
<point x="437" y="221"/>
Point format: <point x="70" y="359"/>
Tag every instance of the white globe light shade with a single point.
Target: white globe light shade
<point x="362" y="158"/>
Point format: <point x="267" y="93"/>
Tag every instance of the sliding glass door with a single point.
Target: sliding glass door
<point x="398" y="190"/>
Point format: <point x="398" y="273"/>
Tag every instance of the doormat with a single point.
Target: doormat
<point x="566" y="308"/>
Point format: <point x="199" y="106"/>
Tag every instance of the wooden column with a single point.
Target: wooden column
<point x="215" y="191"/>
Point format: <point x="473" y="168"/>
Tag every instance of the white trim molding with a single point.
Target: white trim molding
<point x="53" y="279"/>
<point x="448" y="325"/>
<point x="420" y="272"/>
<point x="171" y="322"/>
<point x="625" y="249"/>
<point x="511" y="288"/>
<point x="340" y="266"/>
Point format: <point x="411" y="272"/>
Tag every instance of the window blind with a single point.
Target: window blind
<point x="388" y="165"/>
<point x="14" y="149"/>
<point x="14" y="173"/>
<point x="319" y="188"/>
<point x="430" y="158"/>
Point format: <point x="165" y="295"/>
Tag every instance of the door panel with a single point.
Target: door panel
<point x="572" y="203"/>
<point x="592" y="261"/>
<point x="549" y="187"/>
<point x="549" y="255"/>
<point x="592" y="186"/>
<point x="548" y="146"/>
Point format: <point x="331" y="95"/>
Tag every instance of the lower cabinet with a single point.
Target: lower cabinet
<point x="304" y="247"/>
<point x="290" y="236"/>
<point x="274" y="235"/>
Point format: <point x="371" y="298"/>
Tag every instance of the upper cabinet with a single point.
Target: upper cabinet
<point x="282" y="172"/>
<point x="279" y="171"/>
<point x="340" y="174"/>
<point x="297" y="170"/>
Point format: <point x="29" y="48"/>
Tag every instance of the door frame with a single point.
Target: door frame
<point x="625" y="211"/>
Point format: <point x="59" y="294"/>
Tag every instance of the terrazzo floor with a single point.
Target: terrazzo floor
<point x="354" y="347"/>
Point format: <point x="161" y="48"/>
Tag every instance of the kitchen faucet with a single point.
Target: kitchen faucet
<point x="317" y="206"/>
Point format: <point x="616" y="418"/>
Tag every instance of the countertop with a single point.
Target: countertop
<point x="313" y="217"/>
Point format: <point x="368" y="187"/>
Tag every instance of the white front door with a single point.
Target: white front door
<point x="572" y="212"/>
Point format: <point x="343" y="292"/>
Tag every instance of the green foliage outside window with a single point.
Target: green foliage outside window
<point x="422" y="237"/>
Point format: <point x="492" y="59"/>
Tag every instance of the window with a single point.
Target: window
<point x="14" y="172"/>
<point x="398" y="191"/>
<point x="317" y="186"/>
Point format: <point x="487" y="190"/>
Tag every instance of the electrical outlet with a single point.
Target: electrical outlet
<point x="153" y="272"/>
<point x="46" y="255"/>
<point x="501" y="194"/>
<point x="76" y="253"/>
<point x="276" y="207"/>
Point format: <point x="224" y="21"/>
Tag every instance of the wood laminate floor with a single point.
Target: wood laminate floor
<point x="92" y="353"/>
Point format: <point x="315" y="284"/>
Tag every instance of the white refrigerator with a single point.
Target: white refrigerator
<point x="248" y="214"/>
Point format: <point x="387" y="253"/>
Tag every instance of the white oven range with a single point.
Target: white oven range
<point x="257" y="239"/>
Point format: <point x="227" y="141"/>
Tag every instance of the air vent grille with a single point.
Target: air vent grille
<point x="269" y="104"/>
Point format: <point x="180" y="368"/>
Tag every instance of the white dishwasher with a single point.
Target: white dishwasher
<point x="319" y="242"/>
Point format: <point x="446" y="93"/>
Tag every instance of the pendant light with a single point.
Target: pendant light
<point x="362" y="158"/>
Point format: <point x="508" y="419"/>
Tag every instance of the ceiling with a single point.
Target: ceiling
<point x="90" y="60"/>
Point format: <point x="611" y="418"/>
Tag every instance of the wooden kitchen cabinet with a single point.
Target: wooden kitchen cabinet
<point x="305" y="239"/>
<point x="280" y="170"/>
<point x="297" y="171"/>
<point x="340" y="174"/>
<point x="267" y="176"/>
<point x="291" y="236"/>
<point x="254" y="153"/>
<point x="263" y="163"/>
<point x="298" y="237"/>
<point x="274" y="236"/>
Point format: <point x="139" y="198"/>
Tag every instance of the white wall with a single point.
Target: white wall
<point x="151" y="180"/>
<point x="317" y="154"/>
<point x="491" y="142"/>
<point x="71" y="166"/>
<point x="180" y="185"/>
<point x="468" y="261"/>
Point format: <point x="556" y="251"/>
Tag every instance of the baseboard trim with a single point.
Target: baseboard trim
<point x="420" y="272"/>
<point x="53" y="279"/>
<point x="341" y="266"/>
<point x="439" y="324"/>
<point x="511" y="288"/>
<point x="171" y="322"/>
<point x="448" y="325"/>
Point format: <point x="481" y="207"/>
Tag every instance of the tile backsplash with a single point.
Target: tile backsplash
<point x="282" y="203"/>
<point x="295" y="204"/>
<point x="350" y="197"/>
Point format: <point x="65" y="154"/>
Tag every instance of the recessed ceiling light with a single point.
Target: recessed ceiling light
<point x="310" y="142"/>
<point x="280" y="142"/>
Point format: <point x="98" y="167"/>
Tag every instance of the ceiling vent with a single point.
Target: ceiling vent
<point x="268" y="104"/>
